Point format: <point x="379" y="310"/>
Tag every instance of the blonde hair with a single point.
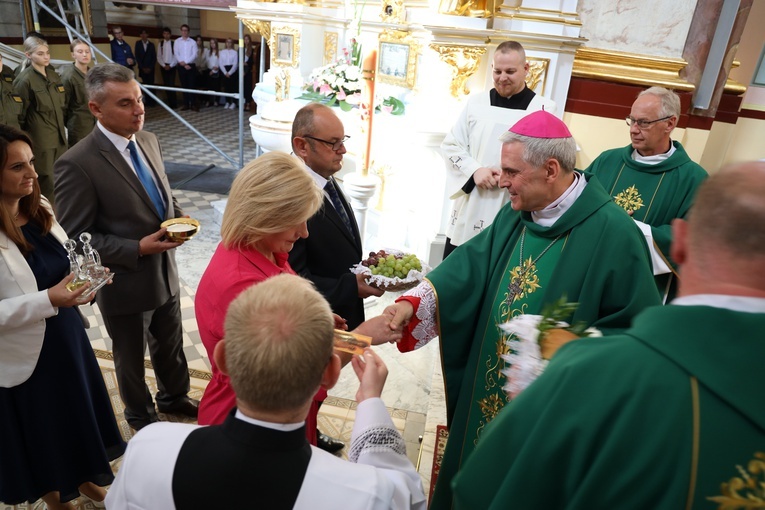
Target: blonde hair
<point x="269" y="195"/>
<point x="278" y="340"/>
<point x="31" y="43"/>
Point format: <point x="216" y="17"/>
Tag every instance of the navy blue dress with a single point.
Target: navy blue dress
<point x="57" y="429"/>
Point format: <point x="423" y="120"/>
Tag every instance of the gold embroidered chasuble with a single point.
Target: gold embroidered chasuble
<point x="540" y="257"/>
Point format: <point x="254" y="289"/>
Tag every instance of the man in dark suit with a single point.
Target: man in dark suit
<point x="259" y="457"/>
<point x="121" y="52"/>
<point x="114" y="186"/>
<point x="334" y="242"/>
<point x="146" y="58"/>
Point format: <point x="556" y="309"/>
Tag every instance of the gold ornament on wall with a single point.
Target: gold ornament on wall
<point x="537" y="74"/>
<point x="393" y="11"/>
<point x="464" y="62"/>
<point x="260" y="27"/>
<point x="469" y="8"/>
<point x="330" y="47"/>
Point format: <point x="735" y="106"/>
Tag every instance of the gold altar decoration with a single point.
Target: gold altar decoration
<point x="636" y="69"/>
<point x="464" y="62"/>
<point x="392" y="11"/>
<point x="330" y="47"/>
<point x="537" y="73"/>
<point x="260" y="27"/>
<point x="470" y="8"/>
<point x="397" y="62"/>
<point x="285" y="46"/>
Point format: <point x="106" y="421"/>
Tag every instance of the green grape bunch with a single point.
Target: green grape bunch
<point x="390" y="265"/>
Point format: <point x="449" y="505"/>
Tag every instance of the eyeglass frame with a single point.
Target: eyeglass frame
<point x="335" y="146"/>
<point x="643" y="124"/>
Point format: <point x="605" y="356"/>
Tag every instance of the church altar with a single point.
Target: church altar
<point x="430" y="56"/>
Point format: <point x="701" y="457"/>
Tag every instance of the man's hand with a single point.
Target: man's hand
<point x="372" y="373"/>
<point x="486" y="178"/>
<point x="366" y="290"/>
<point x="130" y="61"/>
<point x="340" y="323"/>
<point x="153" y="243"/>
<point x="399" y="314"/>
<point x="380" y="330"/>
<point x="61" y="297"/>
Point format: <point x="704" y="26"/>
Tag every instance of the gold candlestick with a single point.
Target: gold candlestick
<point x="368" y="70"/>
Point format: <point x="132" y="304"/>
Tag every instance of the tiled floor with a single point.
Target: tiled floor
<point x="181" y="146"/>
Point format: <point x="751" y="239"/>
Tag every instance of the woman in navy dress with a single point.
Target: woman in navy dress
<point x="57" y="427"/>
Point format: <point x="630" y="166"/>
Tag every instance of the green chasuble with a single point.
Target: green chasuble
<point x="659" y="417"/>
<point x="600" y="261"/>
<point x="656" y="194"/>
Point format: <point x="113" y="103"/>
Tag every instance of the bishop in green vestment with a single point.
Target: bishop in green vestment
<point x="668" y="415"/>
<point x="561" y="235"/>
<point x="653" y="179"/>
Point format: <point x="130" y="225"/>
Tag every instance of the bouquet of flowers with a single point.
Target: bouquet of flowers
<point x="339" y="83"/>
<point x="533" y="341"/>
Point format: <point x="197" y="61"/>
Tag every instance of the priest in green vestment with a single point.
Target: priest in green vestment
<point x="670" y="414"/>
<point x="560" y="235"/>
<point x="653" y="179"/>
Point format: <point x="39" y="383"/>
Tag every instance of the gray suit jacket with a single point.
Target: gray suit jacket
<point x="98" y="192"/>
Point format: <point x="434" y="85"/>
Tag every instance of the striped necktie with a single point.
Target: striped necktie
<point x="144" y="174"/>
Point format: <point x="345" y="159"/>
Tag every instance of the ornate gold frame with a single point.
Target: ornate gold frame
<point x="279" y="35"/>
<point x="57" y="30"/>
<point x="393" y="41"/>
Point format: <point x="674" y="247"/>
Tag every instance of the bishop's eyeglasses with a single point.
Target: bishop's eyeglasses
<point x="642" y="124"/>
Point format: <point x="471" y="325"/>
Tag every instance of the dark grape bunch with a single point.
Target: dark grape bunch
<point x="390" y="265"/>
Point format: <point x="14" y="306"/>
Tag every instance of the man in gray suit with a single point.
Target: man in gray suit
<point x="113" y="185"/>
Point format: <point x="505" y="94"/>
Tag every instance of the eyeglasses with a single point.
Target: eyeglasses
<point x="334" y="145"/>
<point x="117" y="33"/>
<point x="642" y="124"/>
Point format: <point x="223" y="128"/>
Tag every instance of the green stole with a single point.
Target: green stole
<point x="540" y="257"/>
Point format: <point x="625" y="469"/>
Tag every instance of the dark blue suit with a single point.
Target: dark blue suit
<point x="121" y="52"/>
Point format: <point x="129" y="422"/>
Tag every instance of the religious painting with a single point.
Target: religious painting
<point x="50" y="26"/>
<point x="285" y="46"/>
<point x="397" y="59"/>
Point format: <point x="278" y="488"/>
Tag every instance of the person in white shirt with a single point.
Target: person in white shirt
<point x="229" y="63"/>
<point x="278" y="350"/>
<point x="185" y="51"/>
<point x="167" y="65"/>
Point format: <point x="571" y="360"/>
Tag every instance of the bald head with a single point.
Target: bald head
<point x="724" y="239"/>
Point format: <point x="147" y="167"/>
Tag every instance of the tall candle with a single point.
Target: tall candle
<point x="368" y="71"/>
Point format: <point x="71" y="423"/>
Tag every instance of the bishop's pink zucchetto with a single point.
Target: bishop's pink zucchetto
<point x="541" y="124"/>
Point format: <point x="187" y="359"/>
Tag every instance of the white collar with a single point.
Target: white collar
<point x="119" y="141"/>
<point x="318" y="179"/>
<point x="656" y="158"/>
<point x="284" y="427"/>
<point x="550" y="214"/>
<point x="735" y="303"/>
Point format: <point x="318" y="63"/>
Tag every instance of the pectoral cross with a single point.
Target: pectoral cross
<point x="514" y="289"/>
